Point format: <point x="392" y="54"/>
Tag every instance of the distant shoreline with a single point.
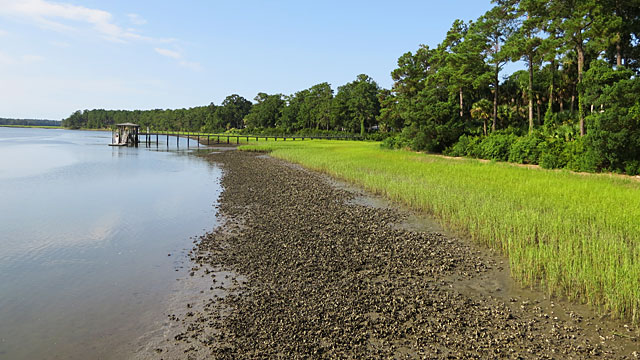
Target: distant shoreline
<point x="33" y="126"/>
<point x="50" y="127"/>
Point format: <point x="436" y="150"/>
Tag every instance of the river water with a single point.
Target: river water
<point x="85" y="236"/>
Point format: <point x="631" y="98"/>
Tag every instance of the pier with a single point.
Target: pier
<point x="153" y="138"/>
<point x="129" y="134"/>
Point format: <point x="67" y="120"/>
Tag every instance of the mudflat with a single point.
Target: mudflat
<point x="305" y="268"/>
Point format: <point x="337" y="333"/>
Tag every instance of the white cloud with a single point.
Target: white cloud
<point x="178" y="56"/>
<point x="53" y="15"/>
<point x="136" y="19"/>
<point x="30" y="59"/>
<point x="168" y="53"/>
<point x="66" y="17"/>
<point x="3" y="33"/>
<point x="6" y="59"/>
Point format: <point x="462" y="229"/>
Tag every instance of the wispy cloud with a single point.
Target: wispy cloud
<point x="3" y="33"/>
<point x="169" y="53"/>
<point x="30" y="59"/>
<point x="57" y="16"/>
<point x="66" y="17"/>
<point x="178" y="56"/>
<point x="6" y="59"/>
<point x="136" y="19"/>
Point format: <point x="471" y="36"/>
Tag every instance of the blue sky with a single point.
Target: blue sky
<point x="60" y="56"/>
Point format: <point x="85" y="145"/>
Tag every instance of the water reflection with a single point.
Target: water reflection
<point x="86" y="230"/>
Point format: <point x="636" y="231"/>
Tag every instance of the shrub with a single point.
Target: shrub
<point x="467" y="145"/>
<point x="395" y="142"/>
<point x="525" y="149"/>
<point x="632" y="167"/>
<point x="377" y="136"/>
<point x="389" y="143"/>
<point x="552" y="154"/>
<point x="496" y="146"/>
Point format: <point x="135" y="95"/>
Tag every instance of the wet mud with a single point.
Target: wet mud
<point x="308" y="267"/>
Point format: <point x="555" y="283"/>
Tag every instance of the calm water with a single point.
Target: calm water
<point x="85" y="230"/>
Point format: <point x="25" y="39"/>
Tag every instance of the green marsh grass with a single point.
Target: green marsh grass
<point x="574" y="235"/>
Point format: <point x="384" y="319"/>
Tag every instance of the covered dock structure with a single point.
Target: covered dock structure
<point x="125" y="134"/>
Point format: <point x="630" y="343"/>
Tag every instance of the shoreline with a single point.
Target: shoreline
<point x="306" y="266"/>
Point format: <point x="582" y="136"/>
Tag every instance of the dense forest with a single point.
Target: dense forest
<point x="29" y="122"/>
<point x="576" y="103"/>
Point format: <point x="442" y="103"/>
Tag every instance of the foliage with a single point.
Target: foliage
<point x="355" y="109"/>
<point x="266" y="112"/>
<point x="467" y="145"/>
<point x="497" y="146"/>
<point x="614" y="139"/>
<point x="525" y="149"/>
<point x="567" y="90"/>
<point x="395" y="142"/>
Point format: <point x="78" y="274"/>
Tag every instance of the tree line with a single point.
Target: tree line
<point x="575" y="104"/>
<point x="29" y="122"/>
<point x="354" y="109"/>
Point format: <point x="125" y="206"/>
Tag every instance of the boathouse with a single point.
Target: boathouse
<point x="125" y="134"/>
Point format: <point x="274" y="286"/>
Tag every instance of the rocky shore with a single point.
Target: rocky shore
<point x="303" y="268"/>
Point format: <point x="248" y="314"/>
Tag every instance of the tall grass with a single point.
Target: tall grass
<point x="574" y="235"/>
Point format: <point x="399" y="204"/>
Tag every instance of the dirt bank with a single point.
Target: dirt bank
<point x="305" y="268"/>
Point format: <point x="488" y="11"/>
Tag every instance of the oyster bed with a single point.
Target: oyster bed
<point x="302" y="268"/>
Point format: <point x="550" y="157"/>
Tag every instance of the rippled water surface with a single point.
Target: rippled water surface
<point x="85" y="233"/>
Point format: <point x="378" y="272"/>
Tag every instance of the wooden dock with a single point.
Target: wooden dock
<point x="149" y="138"/>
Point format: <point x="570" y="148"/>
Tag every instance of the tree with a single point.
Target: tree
<point x="582" y="25"/>
<point x="623" y="32"/>
<point x="613" y="142"/>
<point x="495" y="27"/>
<point x="233" y="110"/>
<point x="409" y="79"/>
<point x="318" y="104"/>
<point x="389" y="118"/>
<point x="524" y="43"/>
<point x="481" y="110"/>
<point x="364" y="104"/>
<point x="266" y="112"/>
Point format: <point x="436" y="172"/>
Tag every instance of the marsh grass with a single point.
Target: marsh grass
<point x="574" y="235"/>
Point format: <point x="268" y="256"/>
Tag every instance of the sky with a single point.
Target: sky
<point x="57" y="57"/>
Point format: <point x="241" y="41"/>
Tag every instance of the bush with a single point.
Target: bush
<point x="580" y="157"/>
<point x="496" y="146"/>
<point x="552" y="154"/>
<point x="525" y="149"/>
<point x="632" y="167"/>
<point x="466" y="146"/>
<point x="395" y="142"/>
<point x="377" y="136"/>
<point x="389" y="143"/>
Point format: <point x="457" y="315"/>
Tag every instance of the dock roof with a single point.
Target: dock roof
<point x="128" y="124"/>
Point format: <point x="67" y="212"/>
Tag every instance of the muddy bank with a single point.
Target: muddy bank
<point x="305" y="268"/>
